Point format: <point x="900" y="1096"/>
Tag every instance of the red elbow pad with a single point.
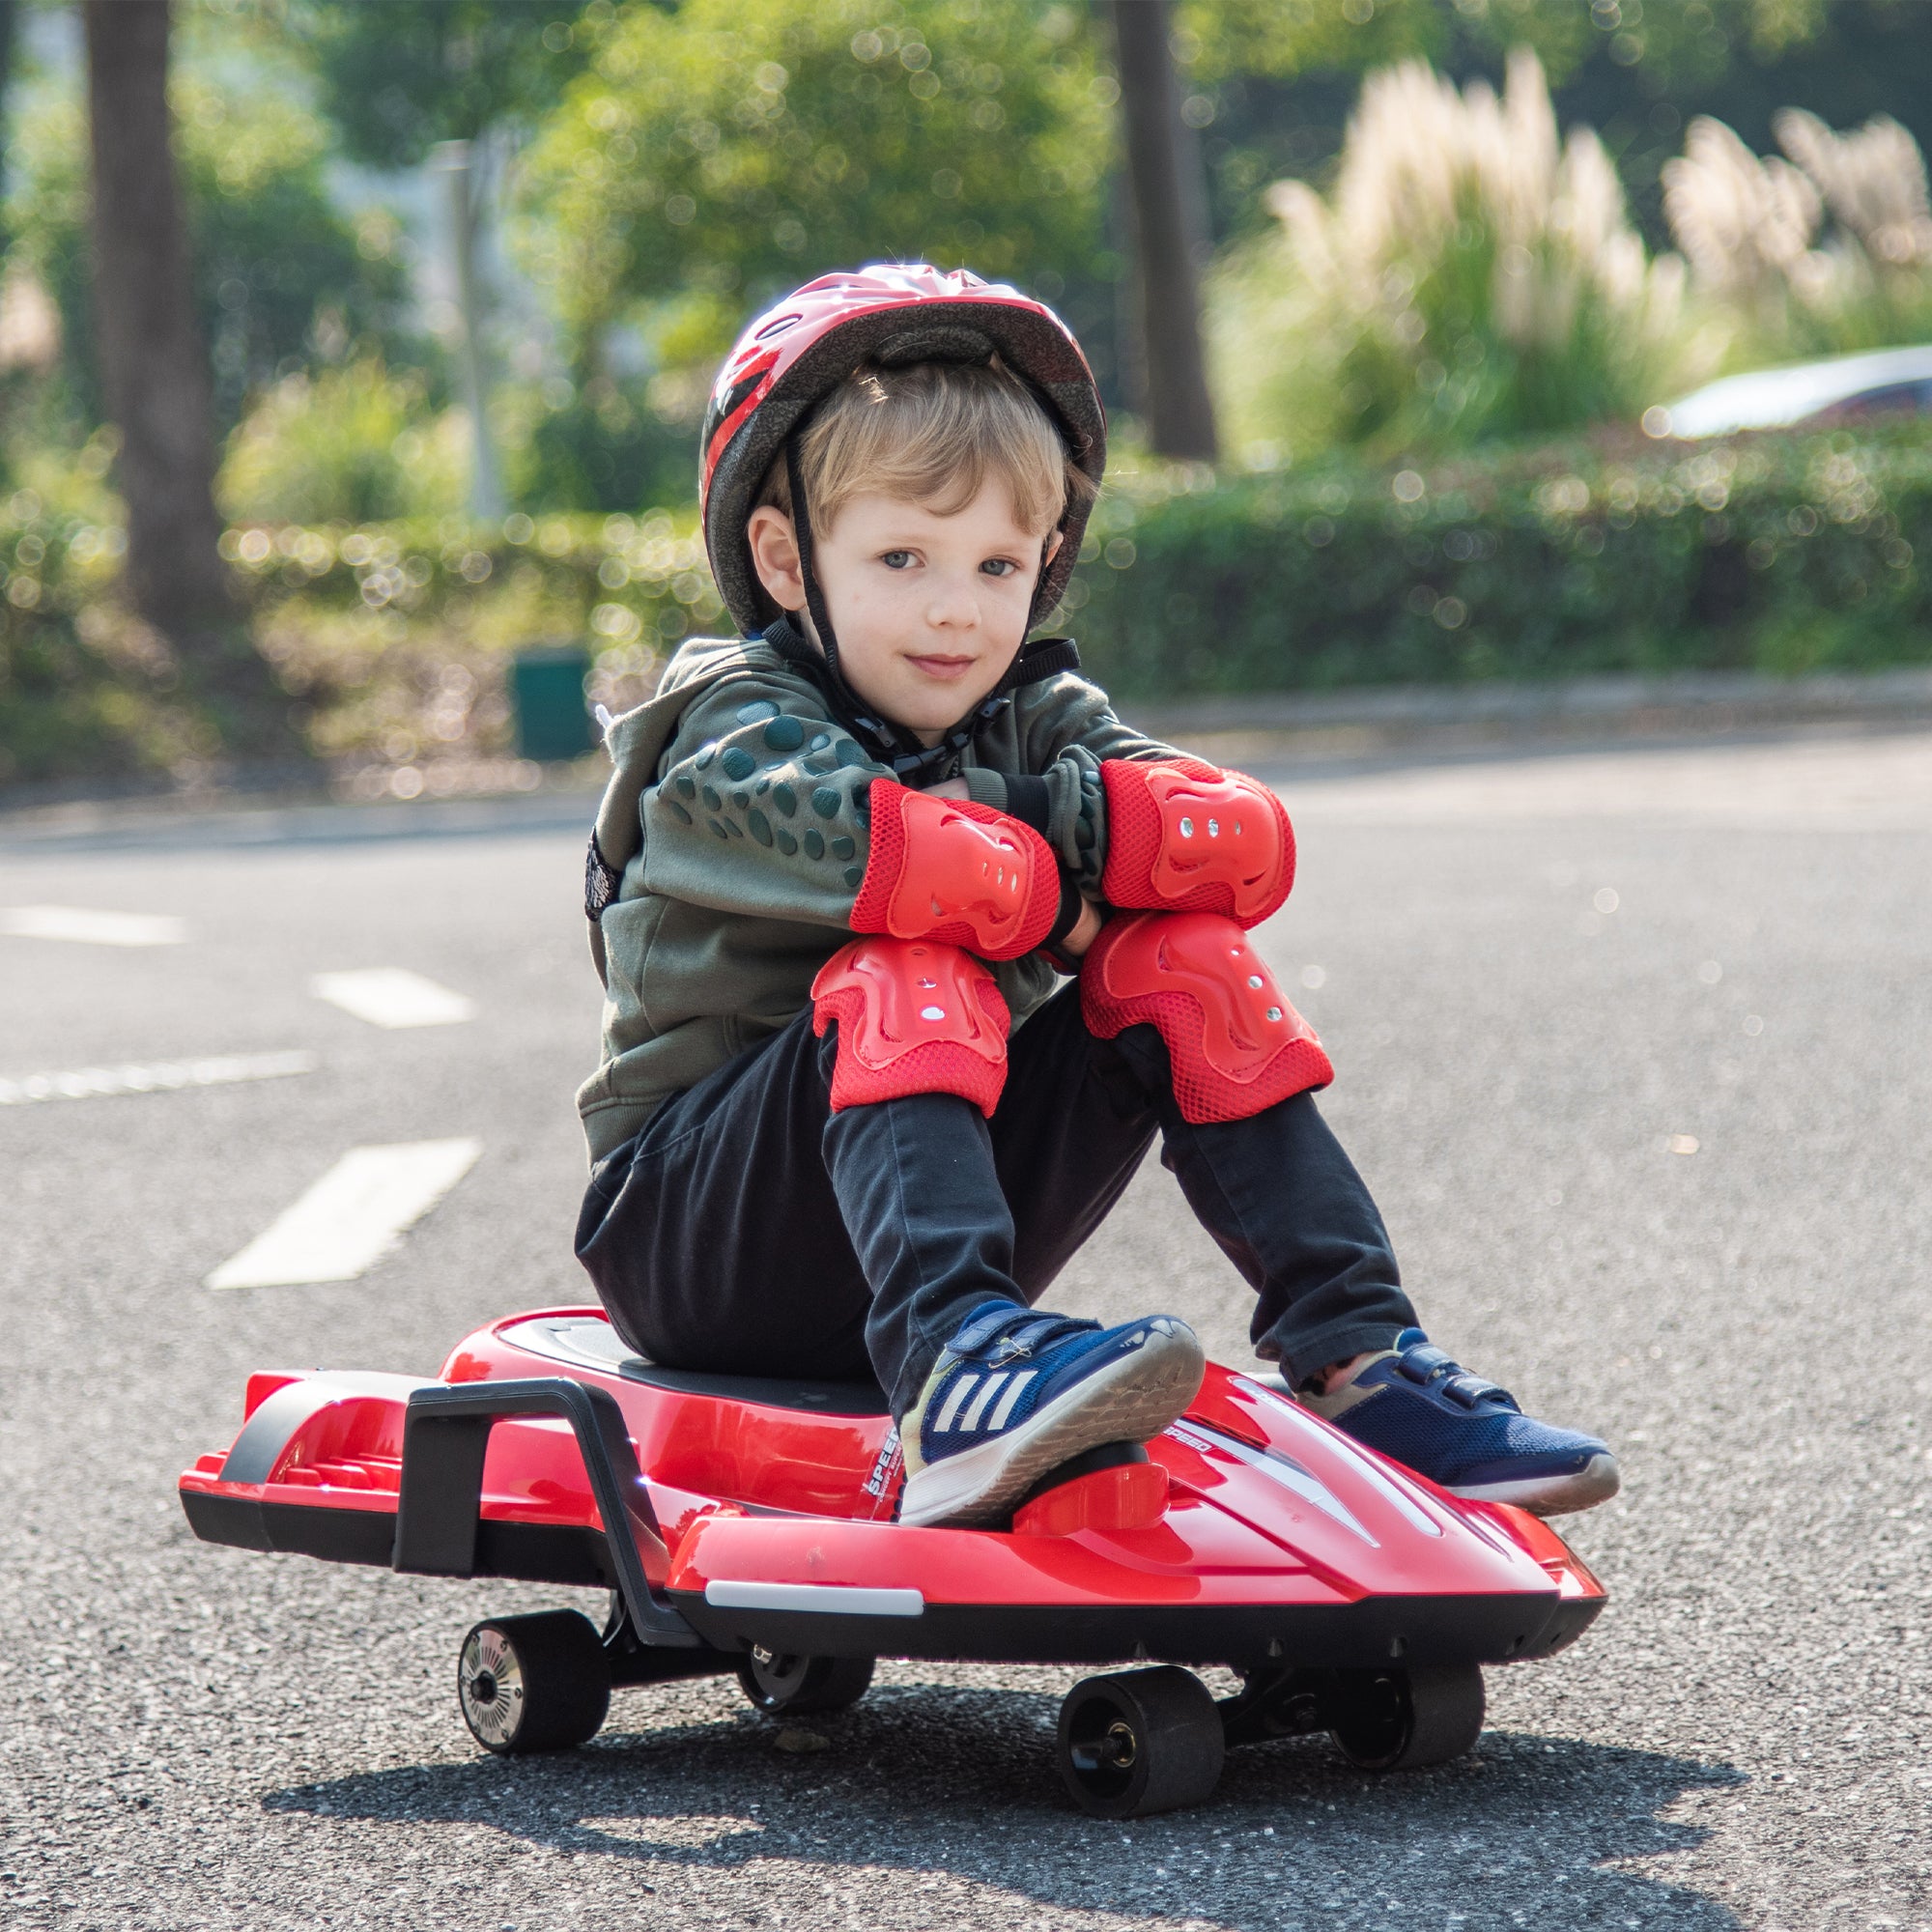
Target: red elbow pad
<point x="1184" y="836"/>
<point x="913" y="1017"/>
<point x="1234" y="1041"/>
<point x="947" y="869"/>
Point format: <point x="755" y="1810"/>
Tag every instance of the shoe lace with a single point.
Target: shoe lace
<point x="1432" y="1368"/>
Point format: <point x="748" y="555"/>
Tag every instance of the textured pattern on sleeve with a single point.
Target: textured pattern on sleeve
<point x="760" y="807"/>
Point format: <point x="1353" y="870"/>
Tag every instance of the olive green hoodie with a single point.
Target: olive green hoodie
<point x="735" y="832"/>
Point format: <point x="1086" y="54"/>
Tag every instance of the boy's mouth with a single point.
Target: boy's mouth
<point x="944" y="668"/>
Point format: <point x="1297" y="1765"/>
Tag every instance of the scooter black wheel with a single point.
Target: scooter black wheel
<point x="783" y="1685"/>
<point x="1139" y="1742"/>
<point x="533" y="1684"/>
<point x="1402" y="1719"/>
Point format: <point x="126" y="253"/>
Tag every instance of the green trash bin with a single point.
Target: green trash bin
<point x="546" y="697"/>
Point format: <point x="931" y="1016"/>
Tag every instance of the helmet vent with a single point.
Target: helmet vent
<point x="778" y="326"/>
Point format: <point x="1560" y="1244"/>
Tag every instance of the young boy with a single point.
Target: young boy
<point x="844" y="1123"/>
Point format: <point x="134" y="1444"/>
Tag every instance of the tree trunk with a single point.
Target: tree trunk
<point x="1168" y="234"/>
<point x="154" y="381"/>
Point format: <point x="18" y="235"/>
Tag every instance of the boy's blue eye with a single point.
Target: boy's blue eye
<point x="999" y="566"/>
<point x="896" y="560"/>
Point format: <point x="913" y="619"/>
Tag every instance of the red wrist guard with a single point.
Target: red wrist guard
<point x="1184" y="836"/>
<point x="963" y="874"/>
<point x="913" y="1017"/>
<point x="1235" y="1043"/>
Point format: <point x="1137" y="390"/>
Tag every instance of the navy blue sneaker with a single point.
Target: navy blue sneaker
<point x="1016" y="1393"/>
<point x="1416" y="1405"/>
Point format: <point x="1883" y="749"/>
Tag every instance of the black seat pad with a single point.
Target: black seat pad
<point x="588" y="1340"/>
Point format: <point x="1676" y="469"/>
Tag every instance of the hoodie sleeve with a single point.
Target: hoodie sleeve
<point x="1068" y="729"/>
<point x="759" y="808"/>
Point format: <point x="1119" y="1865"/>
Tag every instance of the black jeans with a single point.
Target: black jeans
<point x="748" y="1228"/>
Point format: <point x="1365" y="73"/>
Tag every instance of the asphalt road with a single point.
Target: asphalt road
<point x="1537" y="975"/>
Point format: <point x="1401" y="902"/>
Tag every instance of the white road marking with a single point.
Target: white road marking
<point x="353" y="1216"/>
<point x="91" y="926"/>
<point x="89" y="1083"/>
<point x="390" y="996"/>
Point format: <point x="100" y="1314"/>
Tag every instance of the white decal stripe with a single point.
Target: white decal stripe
<point x="1011" y="1396"/>
<point x="841" y="1599"/>
<point x="1404" y="1500"/>
<point x="1291" y="1476"/>
<point x="988" y="1389"/>
<point x="962" y="1385"/>
<point x="351" y="1216"/>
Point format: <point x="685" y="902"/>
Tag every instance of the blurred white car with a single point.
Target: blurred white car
<point x="1842" y="388"/>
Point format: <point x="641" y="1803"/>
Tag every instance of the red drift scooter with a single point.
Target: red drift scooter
<point x="744" y="1526"/>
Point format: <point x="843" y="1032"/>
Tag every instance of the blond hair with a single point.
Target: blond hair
<point x="932" y="432"/>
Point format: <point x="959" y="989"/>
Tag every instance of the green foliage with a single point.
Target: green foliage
<point x="1784" y="554"/>
<point x="715" y="154"/>
<point x="398" y="635"/>
<point x="86" y="692"/>
<point x="353" y="443"/>
<point x="1285" y="39"/>
<point x="273" y="256"/>
<point x="1469" y="275"/>
<point x="397" y="78"/>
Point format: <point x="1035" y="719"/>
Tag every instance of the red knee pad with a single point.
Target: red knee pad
<point x="947" y="869"/>
<point x="1235" y="1042"/>
<point x="913" y="1017"/>
<point x="1184" y="836"/>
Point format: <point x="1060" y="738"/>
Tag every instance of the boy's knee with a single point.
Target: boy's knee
<point x="913" y="1017"/>
<point x="1235" y="1042"/>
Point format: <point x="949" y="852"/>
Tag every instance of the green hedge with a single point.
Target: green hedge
<point x="1784" y="554"/>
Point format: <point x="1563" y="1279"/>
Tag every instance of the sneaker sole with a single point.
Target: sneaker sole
<point x="1596" y="1482"/>
<point x="1131" y="1401"/>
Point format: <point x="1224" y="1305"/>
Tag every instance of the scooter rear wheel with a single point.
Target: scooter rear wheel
<point x="533" y="1684"/>
<point x="783" y="1686"/>
<point x="1140" y="1741"/>
<point x="1402" y="1719"/>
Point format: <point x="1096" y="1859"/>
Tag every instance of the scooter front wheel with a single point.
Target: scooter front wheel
<point x="784" y="1686"/>
<point x="1137" y="1742"/>
<point x="1402" y="1719"/>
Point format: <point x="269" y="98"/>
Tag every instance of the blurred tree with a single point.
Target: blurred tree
<point x="713" y="156"/>
<point x="280" y="276"/>
<point x="399" y="78"/>
<point x="443" y="81"/>
<point x="154" y="371"/>
<point x="1170" y="235"/>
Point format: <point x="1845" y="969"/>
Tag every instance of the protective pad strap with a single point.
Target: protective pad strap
<point x="961" y="874"/>
<point x="913" y="1017"/>
<point x="1235" y="1042"/>
<point x="1184" y="836"/>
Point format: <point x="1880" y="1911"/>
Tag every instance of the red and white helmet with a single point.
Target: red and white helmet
<point x="791" y="357"/>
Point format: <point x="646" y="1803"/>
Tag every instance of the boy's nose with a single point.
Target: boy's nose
<point x="955" y="607"/>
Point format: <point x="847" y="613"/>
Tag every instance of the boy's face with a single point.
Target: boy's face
<point x="929" y="610"/>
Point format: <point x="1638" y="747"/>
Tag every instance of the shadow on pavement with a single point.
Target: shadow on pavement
<point x="959" y="1789"/>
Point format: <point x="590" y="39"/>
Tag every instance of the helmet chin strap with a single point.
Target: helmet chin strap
<point x="815" y="597"/>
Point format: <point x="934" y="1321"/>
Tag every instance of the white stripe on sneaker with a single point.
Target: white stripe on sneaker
<point x="971" y="1419"/>
<point x="998" y="1420"/>
<point x="955" y="1395"/>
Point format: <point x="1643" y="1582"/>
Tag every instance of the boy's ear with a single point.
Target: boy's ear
<point x="774" y="545"/>
<point x="1051" y="549"/>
